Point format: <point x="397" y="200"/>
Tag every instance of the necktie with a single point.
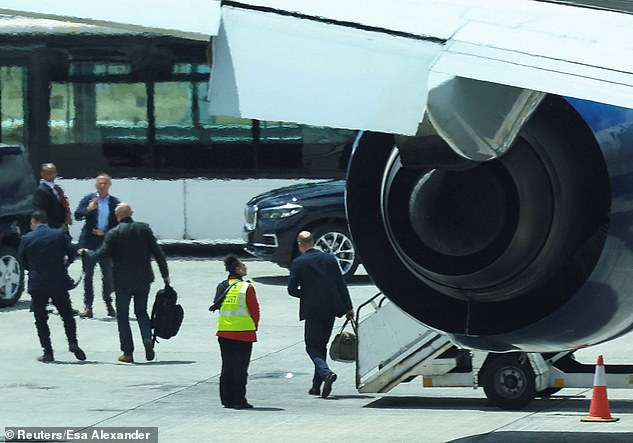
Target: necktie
<point x="64" y="201"/>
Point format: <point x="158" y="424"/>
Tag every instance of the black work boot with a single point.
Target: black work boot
<point x="315" y="390"/>
<point x="327" y="385"/>
<point x="47" y="356"/>
<point x="86" y="313"/>
<point x="149" y="349"/>
<point x="75" y="349"/>
<point x="111" y="311"/>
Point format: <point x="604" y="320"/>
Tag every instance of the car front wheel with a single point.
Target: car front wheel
<point x="11" y="277"/>
<point x="336" y="240"/>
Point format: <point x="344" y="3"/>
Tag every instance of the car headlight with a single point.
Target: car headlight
<point x="278" y="212"/>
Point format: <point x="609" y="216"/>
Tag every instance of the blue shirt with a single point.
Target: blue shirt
<point x="103" y="212"/>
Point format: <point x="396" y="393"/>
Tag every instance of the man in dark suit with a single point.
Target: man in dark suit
<point x="50" y="198"/>
<point x="316" y="279"/>
<point x="131" y="245"/>
<point x="42" y="252"/>
<point x="97" y="209"/>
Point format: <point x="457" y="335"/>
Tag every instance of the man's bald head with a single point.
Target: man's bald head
<point x="123" y="210"/>
<point x="48" y="171"/>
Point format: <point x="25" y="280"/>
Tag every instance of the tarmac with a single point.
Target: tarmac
<point x="178" y="392"/>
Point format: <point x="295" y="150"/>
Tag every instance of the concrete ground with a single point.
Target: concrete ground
<point x="178" y="392"/>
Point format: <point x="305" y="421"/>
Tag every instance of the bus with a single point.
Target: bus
<point x="134" y="105"/>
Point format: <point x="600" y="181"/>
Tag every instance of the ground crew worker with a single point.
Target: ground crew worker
<point x="237" y="325"/>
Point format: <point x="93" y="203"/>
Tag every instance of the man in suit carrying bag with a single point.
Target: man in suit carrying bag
<point x="316" y="279"/>
<point x="131" y="245"/>
<point x="42" y="252"/>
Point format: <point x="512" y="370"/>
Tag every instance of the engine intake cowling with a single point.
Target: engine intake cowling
<point x="525" y="251"/>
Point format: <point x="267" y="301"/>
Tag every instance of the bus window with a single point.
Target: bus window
<point x="62" y="113"/>
<point x="140" y="113"/>
<point x="275" y="132"/>
<point x="12" y="117"/>
<point x="122" y="112"/>
<point x="191" y="68"/>
<point x="96" y="113"/>
<point x="175" y="122"/>
<point x="222" y="129"/>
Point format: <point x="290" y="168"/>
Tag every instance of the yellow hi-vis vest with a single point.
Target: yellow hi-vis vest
<point x="234" y="315"/>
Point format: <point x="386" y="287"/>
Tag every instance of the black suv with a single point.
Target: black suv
<point x="16" y="190"/>
<point x="274" y="218"/>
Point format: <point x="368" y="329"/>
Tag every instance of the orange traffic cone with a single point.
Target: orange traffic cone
<point x="599" y="408"/>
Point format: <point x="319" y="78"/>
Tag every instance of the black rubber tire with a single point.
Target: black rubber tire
<point x="508" y="381"/>
<point x="347" y="256"/>
<point x="10" y="268"/>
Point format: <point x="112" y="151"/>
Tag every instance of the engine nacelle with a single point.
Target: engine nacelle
<point x="529" y="251"/>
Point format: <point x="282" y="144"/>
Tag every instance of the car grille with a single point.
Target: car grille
<point x="250" y="216"/>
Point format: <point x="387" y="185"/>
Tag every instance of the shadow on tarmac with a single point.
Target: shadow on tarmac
<point x="277" y="280"/>
<point x="76" y="362"/>
<point x="162" y="363"/>
<point x="139" y="363"/>
<point x="19" y="306"/>
<point x="351" y="397"/>
<point x="359" y="280"/>
<point x="430" y="403"/>
<point x="567" y="404"/>
<point x="542" y="437"/>
<point x="104" y="320"/>
<point x="282" y="280"/>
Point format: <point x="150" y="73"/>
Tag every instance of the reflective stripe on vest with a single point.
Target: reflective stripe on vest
<point x="234" y="315"/>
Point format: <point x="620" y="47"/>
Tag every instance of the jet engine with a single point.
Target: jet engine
<point x="527" y="251"/>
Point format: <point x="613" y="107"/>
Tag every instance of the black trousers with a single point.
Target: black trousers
<point x="316" y="334"/>
<point x="105" y="263"/>
<point x="61" y="300"/>
<point x="236" y="356"/>
<point x="123" y="300"/>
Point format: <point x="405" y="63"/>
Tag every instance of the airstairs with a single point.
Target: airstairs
<point x="394" y="347"/>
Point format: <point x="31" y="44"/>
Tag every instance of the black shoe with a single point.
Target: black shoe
<point x="46" y="357"/>
<point x="87" y="313"/>
<point x="243" y="406"/>
<point x="314" y="391"/>
<point x="149" y="349"/>
<point x="111" y="311"/>
<point x="79" y="353"/>
<point x="327" y="385"/>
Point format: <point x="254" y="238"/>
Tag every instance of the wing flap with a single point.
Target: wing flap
<point x="581" y="53"/>
<point x="275" y="67"/>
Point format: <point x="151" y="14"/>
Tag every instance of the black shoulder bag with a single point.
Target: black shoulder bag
<point x="215" y="306"/>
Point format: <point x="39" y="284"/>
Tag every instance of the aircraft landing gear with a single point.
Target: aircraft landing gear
<point x="508" y="381"/>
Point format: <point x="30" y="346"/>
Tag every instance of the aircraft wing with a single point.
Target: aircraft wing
<point x="371" y="64"/>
